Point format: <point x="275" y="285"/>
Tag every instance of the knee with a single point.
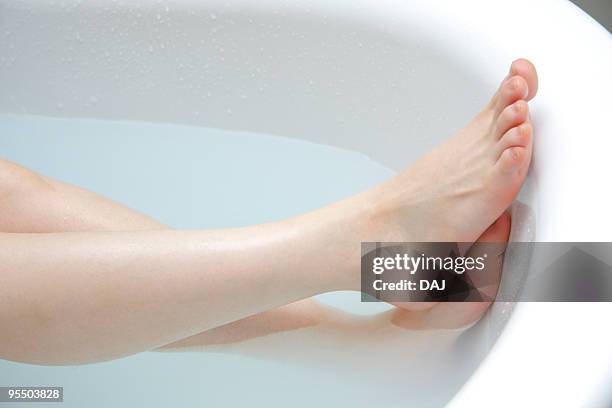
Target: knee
<point x="17" y="180"/>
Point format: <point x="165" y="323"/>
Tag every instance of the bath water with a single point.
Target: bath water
<point x="190" y="177"/>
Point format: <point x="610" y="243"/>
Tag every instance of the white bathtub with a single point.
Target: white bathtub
<point x="390" y="79"/>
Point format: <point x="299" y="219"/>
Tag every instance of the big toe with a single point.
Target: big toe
<point x="520" y="83"/>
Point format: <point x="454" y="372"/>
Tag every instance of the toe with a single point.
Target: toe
<point x="457" y="315"/>
<point x="512" y="90"/>
<point x="452" y="315"/>
<point x="525" y="69"/>
<point x="512" y="115"/>
<point x="519" y="136"/>
<point x="499" y="231"/>
<point x="520" y="68"/>
<point x="512" y="166"/>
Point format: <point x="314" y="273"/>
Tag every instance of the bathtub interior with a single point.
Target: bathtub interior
<point x="346" y="75"/>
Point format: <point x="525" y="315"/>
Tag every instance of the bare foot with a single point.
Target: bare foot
<point x="455" y="315"/>
<point x="464" y="186"/>
<point x="460" y="188"/>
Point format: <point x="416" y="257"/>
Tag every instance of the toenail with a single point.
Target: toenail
<point x="524" y="129"/>
<point x="514" y="84"/>
<point x="519" y="107"/>
<point x="517" y="83"/>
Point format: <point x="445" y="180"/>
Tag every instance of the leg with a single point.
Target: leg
<point x="325" y="328"/>
<point x="92" y="296"/>
<point x="34" y="203"/>
<point x="139" y="290"/>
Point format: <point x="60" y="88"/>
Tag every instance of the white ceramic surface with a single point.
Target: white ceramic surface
<point x="387" y="78"/>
